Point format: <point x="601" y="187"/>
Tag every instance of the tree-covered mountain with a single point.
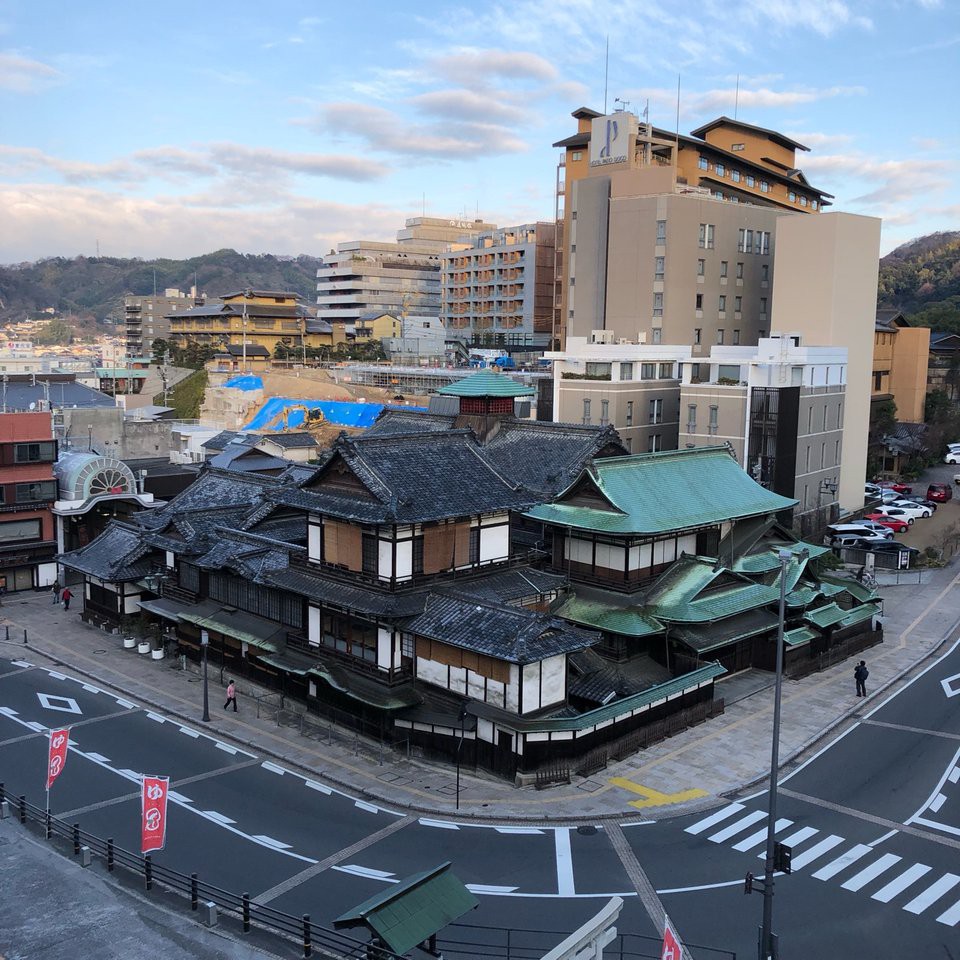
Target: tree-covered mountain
<point x="96" y="286"/>
<point x="922" y="279"/>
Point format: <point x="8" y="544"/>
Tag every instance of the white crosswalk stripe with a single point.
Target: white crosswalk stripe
<point x="950" y="917"/>
<point x="843" y="861"/>
<point x="896" y="886"/>
<point x="737" y="827"/>
<point x="744" y="845"/>
<point x="933" y="893"/>
<point x="867" y="874"/>
<point x="717" y="817"/>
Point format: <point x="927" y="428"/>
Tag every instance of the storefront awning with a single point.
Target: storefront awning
<point x="240" y="625"/>
<point x="366" y="690"/>
<point x="289" y="661"/>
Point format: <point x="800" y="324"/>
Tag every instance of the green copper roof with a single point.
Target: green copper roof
<point x="802" y="597"/>
<point x="629" y="621"/>
<point x="713" y="636"/>
<point x="793" y="638"/>
<point x="859" y="614"/>
<point x="719" y="604"/>
<point x="825" y="616"/>
<point x="856" y="590"/>
<point x="409" y="912"/>
<point x="487" y="383"/>
<point x="662" y="492"/>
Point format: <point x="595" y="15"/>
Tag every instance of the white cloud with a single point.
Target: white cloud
<point x="21" y="74"/>
<point x="815" y="140"/>
<point x="467" y="105"/>
<point x="892" y="181"/>
<point x="262" y="161"/>
<point x="472" y="67"/>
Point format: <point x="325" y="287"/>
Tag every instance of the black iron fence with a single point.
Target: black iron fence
<point x="301" y="930"/>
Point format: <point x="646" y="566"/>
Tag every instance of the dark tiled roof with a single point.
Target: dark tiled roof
<point x="508" y="585"/>
<point x="253" y="350"/>
<point x="505" y="632"/>
<point x="409" y="421"/>
<point x="110" y="556"/>
<point x="211" y="490"/>
<point x="241" y="458"/>
<point x="339" y="593"/>
<point x="292" y="440"/>
<point x="220" y="441"/>
<point x="61" y="393"/>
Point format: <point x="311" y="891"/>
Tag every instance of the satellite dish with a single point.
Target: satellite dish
<point x="33" y="406"/>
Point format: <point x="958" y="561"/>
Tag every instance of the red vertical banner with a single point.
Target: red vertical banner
<point x="153" y="827"/>
<point x="57" y="754"/>
<point x="671" y="943"/>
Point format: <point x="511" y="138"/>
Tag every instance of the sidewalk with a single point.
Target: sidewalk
<point x="680" y="775"/>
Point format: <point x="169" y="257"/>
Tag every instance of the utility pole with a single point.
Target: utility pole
<point x="246" y="296"/>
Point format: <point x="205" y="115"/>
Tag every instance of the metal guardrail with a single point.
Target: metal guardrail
<point x="302" y="930"/>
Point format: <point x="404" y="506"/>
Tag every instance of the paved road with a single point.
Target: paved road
<point x="874" y="822"/>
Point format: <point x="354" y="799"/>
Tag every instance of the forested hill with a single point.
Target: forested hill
<point x="96" y="286"/>
<point x="922" y="279"/>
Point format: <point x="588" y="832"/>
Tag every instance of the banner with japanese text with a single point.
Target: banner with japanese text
<point x="153" y="828"/>
<point x="57" y="754"/>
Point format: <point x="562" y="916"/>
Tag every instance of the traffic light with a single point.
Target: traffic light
<point x="782" y="855"/>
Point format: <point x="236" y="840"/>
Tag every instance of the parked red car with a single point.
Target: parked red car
<point x="940" y="492"/>
<point x="895" y="485"/>
<point x="897" y="526"/>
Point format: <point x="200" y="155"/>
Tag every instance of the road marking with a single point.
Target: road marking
<point x="882" y="839"/>
<point x="933" y="893"/>
<point x="899" y="884"/>
<point x="8" y="712"/>
<point x="126" y="703"/>
<point x="98" y="757"/>
<point x="90" y="689"/>
<point x="130" y="774"/>
<point x="489" y="891"/>
<point x="217" y="817"/>
<point x="363" y="805"/>
<point x="156" y="717"/>
<point x="744" y="845"/>
<point x="715" y="818"/>
<point x="815" y="852"/>
<point x="923" y="821"/>
<point x="938" y="802"/>
<point x="843" y="861"/>
<point x="178" y="797"/>
<point x="319" y="787"/>
<point x="561" y="840"/>
<point x="950" y="917"/>
<point x="703" y="886"/>
<point x="518" y="830"/>
<point x="654" y="798"/>
<point x="737" y="826"/>
<point x="36" y="725"/>
<point x="908" y="729"/>
<point x="55" y="675"/>
<point x="190" y="733"/>
<point x="368" y="872"/>
<point x="441" y="824"/>
<point x="951" y="686"/>
<point x="804" y="833"/>
<point x="861" y="879"/>
<point x="225" y="747"/>
<point x="932" y="799"/>
<point x="273" y="768"/>
<point x="270" y="842"/>
<point x="62" y="704"/>
<point x="22" y="663"/>
<point x="954" y="775"/>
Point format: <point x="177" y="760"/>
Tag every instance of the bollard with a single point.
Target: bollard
<point x="307" y="943"/>
<point x="85" y="856"/>
<point x="148" y="871"/>
<point x="110" y="854"/>
<point x="7" y="638"/>
<point x="22" y="809"/>
<point x="4" y="809"/>
<point x="210" y="913"/>
<point x="194" y="891"/>
<point x="76" y="839"/>
<point x="3" y="792"/>
<point x="246" y="913"/>
<point x="24" y="635"/>
<point x="48" y="825"/>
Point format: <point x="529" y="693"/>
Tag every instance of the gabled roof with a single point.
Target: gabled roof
<point x="291" y="441"/>
<point x="647" y="494"/>
<point x="236" y="350"/>
<point x="219" y="441"/>
<point x="248" y="459"/>
<point x="487" y="383"/>
<point x="772" y="135"/>
<point x="117" y="555"/>
<point x="889" y="320"/>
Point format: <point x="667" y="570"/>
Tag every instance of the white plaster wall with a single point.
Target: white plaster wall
<point x="313" y="541"/>
<point x="494" y="543"/>
<point x="609" y="556"/>
<point x="171" y="561"/>
<point x="404" y="559"/>
<point x="687" y="544"/>
<point x="384" y="559"/>
<point x="531" y="687"/>
<point x="384" y="648"/>
<point x="513" y="689"/>
<point x="130" y="603"/>
<point x="432" y="672"/>
<point x="580" y="551"/>
<point x="314" y="625"/>
<point x="554" y="679"/>
<point x="46" y="574"/>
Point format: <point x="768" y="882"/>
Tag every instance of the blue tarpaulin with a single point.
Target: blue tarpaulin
<point x="281" y="413"/>
<point x="245" y="382"/>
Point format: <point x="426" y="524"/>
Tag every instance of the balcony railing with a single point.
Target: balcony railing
<point x="387" y="675"/>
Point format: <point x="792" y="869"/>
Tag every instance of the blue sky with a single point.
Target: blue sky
<point x="178" y="128"/>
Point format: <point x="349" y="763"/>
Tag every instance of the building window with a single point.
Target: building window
<point x="656" y="411"/>
<point x="699" y="301"/>
<point x="703" y="235"/>
<point x="666" y="371"/>
<point x="748" y="244"/>
<point x="703" y="163"/>
<point x="765" y="242"/>
<point x="658" y="304"/>
<point x="765" y="272"/>
<point x="814" y="204"/>
<point x="661" y="229"/>
<point x="696" y="335"/>
<point x="654" y="443"/>
<point x="629" y="420"/>
<point x="723" y="268"/>
<point x="763" y="306"/>
<point x="792" y="196"/>
<point x="761" y="333"/>
<point x="657" y="332"/>
<point x="739" y="270"/>
<point x="370" y="548"/>
<point x="576" y="155"/>
<point x="764" y="186"/>
<point x="418" y="555"/>
<point x="720" y="336"/>
<point x="658" y="268"/>
<point x="741" y="239"/>
<point x="750" y="180"/>
<point x="604" y="412"/>
<point x="598" y="371"/>
<point x="46" y="451"/>
<point x="721" y="170"/>
<point x="737" y="304"/>
<point x="39" y="490"/>
<point x="710" y="233"/>
<point x="648" y="371"/>
<point x="878" y="380"/>
<point x="722" y="303"/>
<point x="823" y="454"/>
<point x="714" y="416"/>
<point x="806" y="468"/>
<point x="16" y="531"/>
<point x="735" y="176"/>
<point x="474" y="546"/>
<point x="736" y="338"/>
<point x="691" y="418"/>
<point x="626" y="371"/>
<point x="736" y="147"/>
<point x="701" y="267"/>
<point x="628" y="443"/>
<point x="586" y="410"/>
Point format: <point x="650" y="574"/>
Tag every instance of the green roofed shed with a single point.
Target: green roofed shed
<point x="413" y="910"/>
<point x="487" y="383"/>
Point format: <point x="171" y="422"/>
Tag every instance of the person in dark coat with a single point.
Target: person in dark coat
<point x="860" y="674"/>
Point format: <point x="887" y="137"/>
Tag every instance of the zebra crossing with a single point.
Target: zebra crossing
<point x="856" y="866"/>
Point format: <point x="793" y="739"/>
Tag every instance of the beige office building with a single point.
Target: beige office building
<point x="826" y="290"/>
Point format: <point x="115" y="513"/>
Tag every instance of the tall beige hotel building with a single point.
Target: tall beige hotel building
<point x="712" y="239"/>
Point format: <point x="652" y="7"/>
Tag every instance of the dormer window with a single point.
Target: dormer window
<point x="737" y="147"/>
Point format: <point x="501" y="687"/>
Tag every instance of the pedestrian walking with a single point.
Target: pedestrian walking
<point x="56" y="591"/>
<point x="231" y="696"/>
<point x="860" y="674"/>
<point x="66" y="597"/>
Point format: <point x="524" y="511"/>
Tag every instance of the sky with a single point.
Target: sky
<point x="174" y="129"/>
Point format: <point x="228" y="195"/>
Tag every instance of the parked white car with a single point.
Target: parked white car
<point x="888" y="510"/>
<point x="876" y="528"/>
<point x="953" y="455"/>
<point x="908" y="505"/>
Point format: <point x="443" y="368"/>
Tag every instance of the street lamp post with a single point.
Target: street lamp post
<point x="246" y="296"/>
<point x="462" y="717"/>
<point x="768" y="941"/>
<point x="204" y="644"/>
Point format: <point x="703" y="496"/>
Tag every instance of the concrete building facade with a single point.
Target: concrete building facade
<point x="901" y="359"/>
<point x="498" y="292"/>
<point x="403" y="278"/>
<point x="147" y="318"/>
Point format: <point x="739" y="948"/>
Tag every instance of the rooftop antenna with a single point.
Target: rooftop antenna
<point x="736" y="99"/>
<point x="623" y="104"/>
<point x="423" y="204"/>
<point x="678" y="115"/>
<point x="606" y="73"/>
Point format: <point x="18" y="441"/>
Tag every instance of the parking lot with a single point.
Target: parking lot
<point x="930" y="531"/>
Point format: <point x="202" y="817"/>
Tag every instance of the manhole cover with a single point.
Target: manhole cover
<point x="100" y="651"/>
<point x="587" y="831"/>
